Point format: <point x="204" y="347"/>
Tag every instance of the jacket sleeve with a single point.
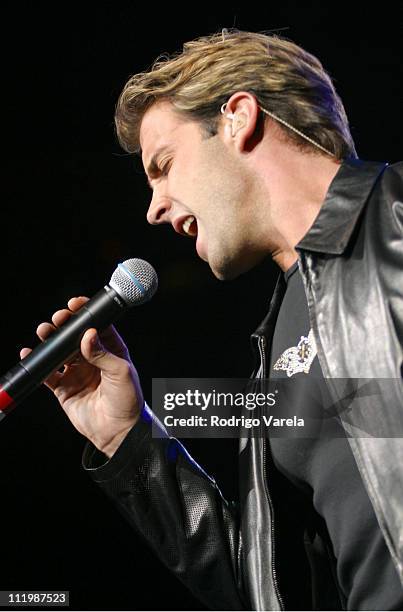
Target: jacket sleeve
<point x="177" y="508"/>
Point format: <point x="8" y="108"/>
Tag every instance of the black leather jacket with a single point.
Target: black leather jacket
<point x="351" y="262"/>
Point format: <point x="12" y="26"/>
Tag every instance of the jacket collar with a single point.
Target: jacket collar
<point x="345" y="199"/>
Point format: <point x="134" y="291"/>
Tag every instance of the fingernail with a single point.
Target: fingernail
<point x="95" y="343"/>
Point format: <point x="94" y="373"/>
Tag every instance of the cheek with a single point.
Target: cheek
<point x="206" y="183"/>
<point x="186" y="178"/>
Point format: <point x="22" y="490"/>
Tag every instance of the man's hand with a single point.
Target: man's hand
<point x="99" y="389"/>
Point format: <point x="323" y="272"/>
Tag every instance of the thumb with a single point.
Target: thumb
<point x="96" y="354"/>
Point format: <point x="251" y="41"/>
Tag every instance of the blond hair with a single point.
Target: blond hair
<point x="285" y="79"/>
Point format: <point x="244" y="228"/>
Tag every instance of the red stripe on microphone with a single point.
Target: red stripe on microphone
<point x="5" y="400"/>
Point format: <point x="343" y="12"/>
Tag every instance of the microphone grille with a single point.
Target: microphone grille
<point x="135" y="280"/>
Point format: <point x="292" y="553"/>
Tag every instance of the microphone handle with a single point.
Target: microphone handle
<point x="58" y="348"/>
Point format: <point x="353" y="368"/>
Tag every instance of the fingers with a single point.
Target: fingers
<point x="44" y="330"/>
<point x="113" y="342"/>
<point x="108" y="344"/>
<point x="109" y="336"/>
<point x="75" y="303"/>
<point x="60" y="317"/>
<point x="96" y="353"/>
<point x="24" y="352"/>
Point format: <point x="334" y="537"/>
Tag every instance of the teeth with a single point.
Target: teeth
<point x="187" y="223"/>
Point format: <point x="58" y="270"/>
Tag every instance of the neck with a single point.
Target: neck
<point x="295" y="185"/>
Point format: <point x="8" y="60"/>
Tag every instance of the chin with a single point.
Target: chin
<point x="226" y="271"/>
<point x="230" y="269"/>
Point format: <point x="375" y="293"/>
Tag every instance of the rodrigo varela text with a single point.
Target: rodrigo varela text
<point x="233" y="421"/>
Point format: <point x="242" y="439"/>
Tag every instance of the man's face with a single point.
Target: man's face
<point x="201" y="187"/>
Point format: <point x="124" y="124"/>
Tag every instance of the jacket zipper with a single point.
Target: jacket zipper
<point x="263" y="374"/>
<point x="262" y="351"/>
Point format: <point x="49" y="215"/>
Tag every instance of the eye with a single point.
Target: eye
<point x="165" y="168"/>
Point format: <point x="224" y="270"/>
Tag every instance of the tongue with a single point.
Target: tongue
<point x="193" y="228"/>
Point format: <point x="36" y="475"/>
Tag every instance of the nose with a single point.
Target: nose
<point x="159" y="209"/>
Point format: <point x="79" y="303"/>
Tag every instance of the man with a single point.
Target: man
<point x="247" y="149"/>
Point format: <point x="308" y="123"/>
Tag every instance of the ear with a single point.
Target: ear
<point x="240" y="119"/>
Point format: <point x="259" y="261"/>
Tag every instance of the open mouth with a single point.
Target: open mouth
<point x="189" y="226"/>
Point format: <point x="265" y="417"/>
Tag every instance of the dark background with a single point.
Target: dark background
<point x="73" y="205"/>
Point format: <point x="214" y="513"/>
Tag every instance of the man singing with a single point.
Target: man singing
<point x="247" y="149"/>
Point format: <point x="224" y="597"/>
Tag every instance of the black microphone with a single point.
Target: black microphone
<point x="133" y="282"/>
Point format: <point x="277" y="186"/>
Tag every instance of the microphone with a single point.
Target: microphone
<point x="133" y="282"/>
